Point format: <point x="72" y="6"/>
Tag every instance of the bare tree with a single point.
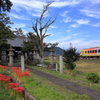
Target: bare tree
<point x="40" y="27"/>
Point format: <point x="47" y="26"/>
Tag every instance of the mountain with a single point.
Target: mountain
<point x="58" y="51"/>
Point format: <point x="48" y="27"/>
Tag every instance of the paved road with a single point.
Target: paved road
<point x="93" y="94"/>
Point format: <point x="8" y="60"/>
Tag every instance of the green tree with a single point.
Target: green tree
<point x="70" y="56"/>
<point x="5" y="31"/>
<point x="18" y="32"/>
<point x="28" y="45"/>
<point x="5" y="5"/>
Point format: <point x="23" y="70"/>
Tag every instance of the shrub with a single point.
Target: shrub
<point x="70" y="57"/>
<point x="75" y="96"/>
<point x="93" y="77"/>
<point x="84" y="97"/>
<point x="70" y="65"/>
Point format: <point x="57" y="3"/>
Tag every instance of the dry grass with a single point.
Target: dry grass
<point x="88" y="66"/>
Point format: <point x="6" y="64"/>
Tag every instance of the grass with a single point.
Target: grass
<point x="4" y="94"/>
<point x="88" y="66"/>
<point x="78" y="75"/>
<point x="43" y="89"/>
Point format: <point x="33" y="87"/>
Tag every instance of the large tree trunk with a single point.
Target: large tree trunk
<point x="41" y="50"/>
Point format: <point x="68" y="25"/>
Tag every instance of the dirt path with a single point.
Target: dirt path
<point x="93" y="94"/>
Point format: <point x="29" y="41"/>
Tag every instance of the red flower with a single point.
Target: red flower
<point x="4" y="67"/>
<point x="1" y="79"/>
<point x="7" y="79"/>
<point x="4" y="78"/>
<point x="12" y="85"/>
<point x="25" y="73"/>
<point x="18" y="89"/>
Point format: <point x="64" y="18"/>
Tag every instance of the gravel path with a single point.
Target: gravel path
<point x="93" y="94"/>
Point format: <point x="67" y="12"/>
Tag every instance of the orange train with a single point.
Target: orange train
<point x="90" y="52"/>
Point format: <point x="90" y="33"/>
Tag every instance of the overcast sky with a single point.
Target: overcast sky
<point x="78" y="21"/>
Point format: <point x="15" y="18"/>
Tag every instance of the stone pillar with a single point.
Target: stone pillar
<point x="11" y="54"/>
<point x="22" y="63"/>
<point x="3" y="57"/>
<point x="26" y="55"/>
<point x="61" y="64"/>
<point x="56" y="67"/>
<point x="51" y="56"/>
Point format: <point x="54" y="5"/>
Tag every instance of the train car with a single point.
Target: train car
<point x="90" y="52"/>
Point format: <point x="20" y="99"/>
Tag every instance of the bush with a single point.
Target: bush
<point x="93" y="77"/>
<point x="75" y="97"/>
<point x="84" y="97"/>
<point x="70" y="57"/>
<point x="70" y="65"/>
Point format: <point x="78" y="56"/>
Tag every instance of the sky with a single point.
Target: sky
<point x="77" y="23"/>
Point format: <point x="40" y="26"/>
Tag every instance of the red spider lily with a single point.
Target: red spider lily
<point x="7" y="79"/>
<point x="1" y="79"/>
<point x="13" y="68"/>
<point x="18" y="89"/>
<point x="19" y="73"/>
<point x="4" y="78"/>
<point x="4" y="67"/>
<point x="24" y="74"/>
<point x="12" y="85"/>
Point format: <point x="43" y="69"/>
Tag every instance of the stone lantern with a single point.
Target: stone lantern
<point x="51" y="55"/>
<point x="52" y="51"/>
<point x="11" y="54"/>
<point x="36" y="57"/>
<point x="35" y="52"/>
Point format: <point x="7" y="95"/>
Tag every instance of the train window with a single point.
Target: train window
<point x="88" y="51"/>
<point x="91" y="51"/>
<point x="95" y="51"/>
<point x="99" y="50"/>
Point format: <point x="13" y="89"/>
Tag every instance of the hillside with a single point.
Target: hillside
<point x="58" y="51"/>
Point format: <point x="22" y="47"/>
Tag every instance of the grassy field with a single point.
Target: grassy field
<point x="85" y="65"/>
